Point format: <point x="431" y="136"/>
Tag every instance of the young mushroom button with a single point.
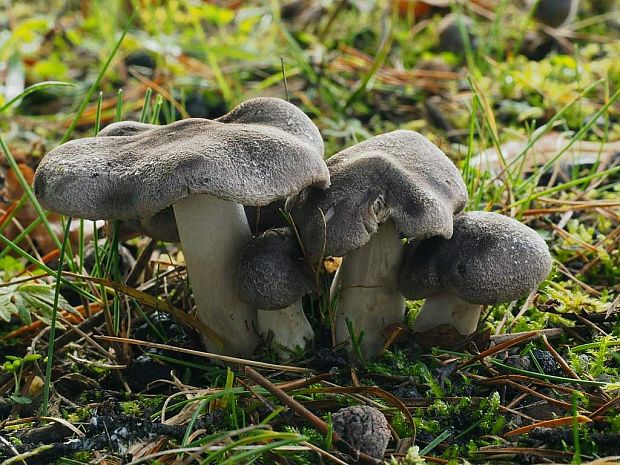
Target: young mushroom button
<point x="490" y="259"/>
<point x="389" y="187"/>
<point x="273" y="276"/>
<point x="554" y="13"/>
<point x="263" y="150"/>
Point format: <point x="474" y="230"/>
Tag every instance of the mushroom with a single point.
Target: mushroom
<point x="454" y="34"/>
<point x="554" y="13"/>
<point x="490" y="259"/>
<point x="126" y="260"/>
<point x="389" y="187"/>
<point x="263" y="150"/>
<point x="365" y="428"/>
<point x="272" y="276"/>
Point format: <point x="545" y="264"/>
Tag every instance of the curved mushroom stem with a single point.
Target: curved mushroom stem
<point x="213" y="233"/>
<point x="368" y="295"/>
<point x="447" y="309"/>
<point x="289" y="326"/>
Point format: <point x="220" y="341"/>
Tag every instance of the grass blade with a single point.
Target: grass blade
<point x="52" y="336"/>
<point x="34" y="88"/>
<point x="97" y="82"/>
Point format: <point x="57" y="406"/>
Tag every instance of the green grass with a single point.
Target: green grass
<point x="351" y="71"/>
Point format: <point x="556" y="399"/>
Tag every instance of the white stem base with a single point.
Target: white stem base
<point x="367" y="289"/>
<point x="447" y="309"/>
<point x="289" y="326"/>
<point x="213" y="233"/>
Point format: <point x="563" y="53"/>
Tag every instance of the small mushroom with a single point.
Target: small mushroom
<point x="489" y="259"/>
<point x="363" y="427"/>
<point x="389" y="187"/>
<point x="263" y="150"/>
<point x="454" y="34"/>
<point x="126" y="260"/>
<point x="554" y="13"/>
<point x="272" y="276"/>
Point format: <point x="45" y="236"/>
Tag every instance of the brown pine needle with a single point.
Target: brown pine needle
<point x="555" y="423"/>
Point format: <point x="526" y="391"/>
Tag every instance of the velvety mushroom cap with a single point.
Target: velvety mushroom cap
<point x="449" y="34"/>
<point x="399" y="176"/>
<point x="272" y="273"/>
<point x="364" y="427"/>
<point x="554" y="13"/>
<point x="125" y="128"/>
<point x="263" y="150"/>
<point x="490" y="259"/>
<point x="161" y="226"/>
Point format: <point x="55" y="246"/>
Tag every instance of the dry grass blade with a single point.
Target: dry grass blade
<point x="324" y="453"/>
<point x="555" y="423"/>
<point x="198" y="353"/>
<point x="605" y="407"/>
<point x="375" y="391"/>
<point x="500" y="347"/>
<point x="568" y="371"/>
<point x="602" y="461"/>
<point x="494" y="450"/>
<point x="302" y="383"/>
<point x="549" y="332"/>
<point x="153" y="301"/>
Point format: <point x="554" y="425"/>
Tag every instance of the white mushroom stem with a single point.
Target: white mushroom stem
<point x="446" y="308"/>
<point x="368" y="295"/>
<point x="213" y="233"/>
<point x="289" y="326"/>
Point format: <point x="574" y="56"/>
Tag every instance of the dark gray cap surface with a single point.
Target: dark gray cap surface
<point x="272" y="273"/>
<point x="262" y="150"/>
<point x="125" y="128"/>
<point x="162" y="225"/>
<point x="490" y="258"/>
<point x="449" y="33"/>
<point x="399" y="176"/>
<point x="554" y="13"/>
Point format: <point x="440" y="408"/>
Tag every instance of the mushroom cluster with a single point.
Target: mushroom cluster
<point x="198" y="181"/>
<point x="190" y="180"/>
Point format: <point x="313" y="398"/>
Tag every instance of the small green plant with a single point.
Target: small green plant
<point x="356" y="341"/>
<point x="30" y="298"/>
<point x="15" y="366"/>
<point x="574" y="301"/>
<point x="329" y="437"/>
<point x="9" y="267"/>
<point x="577" y="445"/>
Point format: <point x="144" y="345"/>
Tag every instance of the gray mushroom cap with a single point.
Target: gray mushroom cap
<point x="449" y="34"/>
<point x="363" y="427"/>
<point x="126" y="128"/>
<point x="399" y="176"/>
<point x="263" y="150"/>
<point x="272" y="273"/>
<point x="554" y="13"/>
<point x="490" y="259"/>
<point x="161" y="226"/>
